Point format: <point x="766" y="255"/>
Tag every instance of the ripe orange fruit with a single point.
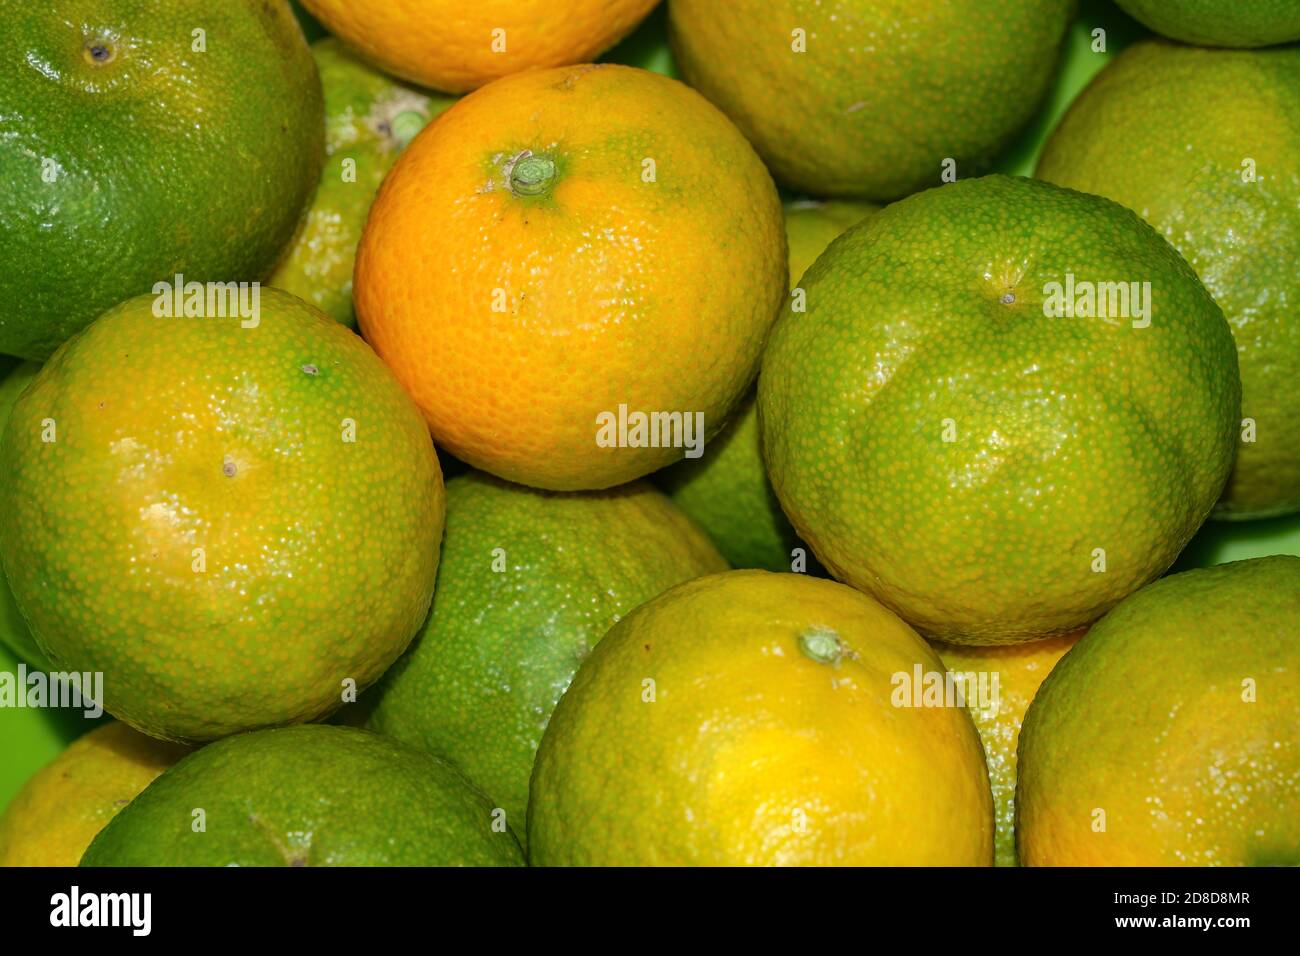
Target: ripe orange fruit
<point x="456" y="46"/>
<point x="229" y="520"/>
<point x="754" y="719"/>
<point x="562" y="251"/>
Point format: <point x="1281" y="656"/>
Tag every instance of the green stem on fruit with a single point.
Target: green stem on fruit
<point x="531" y="175"/>
<point x="822" y="645"/>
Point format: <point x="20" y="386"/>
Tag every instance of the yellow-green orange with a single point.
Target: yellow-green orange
<point x="813" y="224"/>
<point x="565" y="251"/>
<point x="234" y="521"/>
<point x="1166" y="131"/>
<point x="59" y="811"/>
<point x="145" y="138"/>
<point x="307" y="796"/>
<point x="992" y="473"/>
<point x="369" y="119"/>
<point x="727" y="493"/>
<point x="828" y="91"/>
<point x="749" y="718"/>
<point x="726" y="490"/>
<point x="14" y="632"/>
<point x="1231" y="23"/>
<point x="528" y="582"/>
<point x="1018" y="670"/>
<point x="1167" y="736"/>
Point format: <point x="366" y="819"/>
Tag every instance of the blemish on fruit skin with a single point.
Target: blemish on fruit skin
<point x="310" y="369"/>
<point x="99" y="53"/>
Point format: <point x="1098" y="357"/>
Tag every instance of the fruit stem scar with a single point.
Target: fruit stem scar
<point x="531" y="175"/>
<point x="1008" y="298"/>
<point x="228" y="467"/>
<point x="99" y="52"/>
<point x="821" y="644"/>
<point x="405" y="125"/>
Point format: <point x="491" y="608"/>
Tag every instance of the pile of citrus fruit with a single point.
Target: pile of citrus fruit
<point x="623" y="433"/>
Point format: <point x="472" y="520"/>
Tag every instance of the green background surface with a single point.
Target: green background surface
<point x="30" y="738"/>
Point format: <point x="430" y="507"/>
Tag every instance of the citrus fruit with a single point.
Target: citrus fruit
<point x="726" y="490"/>
<point x="311" y="795"/>
<point x="750" y="718"/>
<point x="14" y="632"/>
<point x="369" y="118"/>
<point x="145" y="139"/>
<point x="1228" y="23"/>
<point x="58" y="812"/>
<point x="527" y="584"/>
<point x="572" y="272"/>
<point x="1008" y="676"/>
<point x="991" y="472"/>
<point x="1167" y="736"/>
<point x="812" y="224"/>
<point x="453" y="46"/>
<point x="827" y="90"/>
<point x="727" y="493"/>
<point x="236" y="522"/>
<point x="1163" y="131"/>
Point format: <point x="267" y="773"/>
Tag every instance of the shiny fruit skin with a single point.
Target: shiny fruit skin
<point x="1167" y="736"/>
<point x="529" y="581"/>
<point x="309" y="795"/>
<point x="830" y="91"/>
<point x="369" y="119"/>
<point x="726" y="490"/>
<point x="156" y="159"/>
<point x="1020" y="669"/>
<point x="52" y="820"/>
<point x="702" y="730"/>
<point x="456" y="47"/>
<point x="1164" y="131"/>
<point x="992" y="473"/>
<point x="230" y="523"/>
<point x="645" y="273"/>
